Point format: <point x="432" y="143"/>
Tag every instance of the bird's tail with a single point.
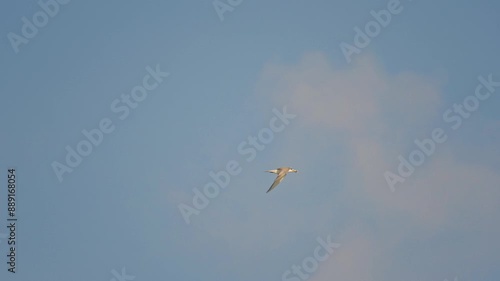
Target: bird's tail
<point x="272" y="171"/>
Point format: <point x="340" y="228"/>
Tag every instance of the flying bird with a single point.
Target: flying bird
<point x="281" y="172"/>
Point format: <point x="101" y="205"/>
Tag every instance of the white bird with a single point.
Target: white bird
<point x="281" y="172"/>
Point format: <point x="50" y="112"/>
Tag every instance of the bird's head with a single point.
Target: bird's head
<point x="292" y="170"/>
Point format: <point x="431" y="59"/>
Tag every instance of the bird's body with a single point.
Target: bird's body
<point x="281" y="172"/>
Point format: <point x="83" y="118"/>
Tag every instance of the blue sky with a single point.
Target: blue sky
<point x="119" y="208"/>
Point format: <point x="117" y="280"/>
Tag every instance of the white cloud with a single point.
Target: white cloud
<point x="351" y="125"/>
<point x="378" y="114"/>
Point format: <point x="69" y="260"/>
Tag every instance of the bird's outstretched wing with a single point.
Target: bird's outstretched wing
<point x="277" y="181"/>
